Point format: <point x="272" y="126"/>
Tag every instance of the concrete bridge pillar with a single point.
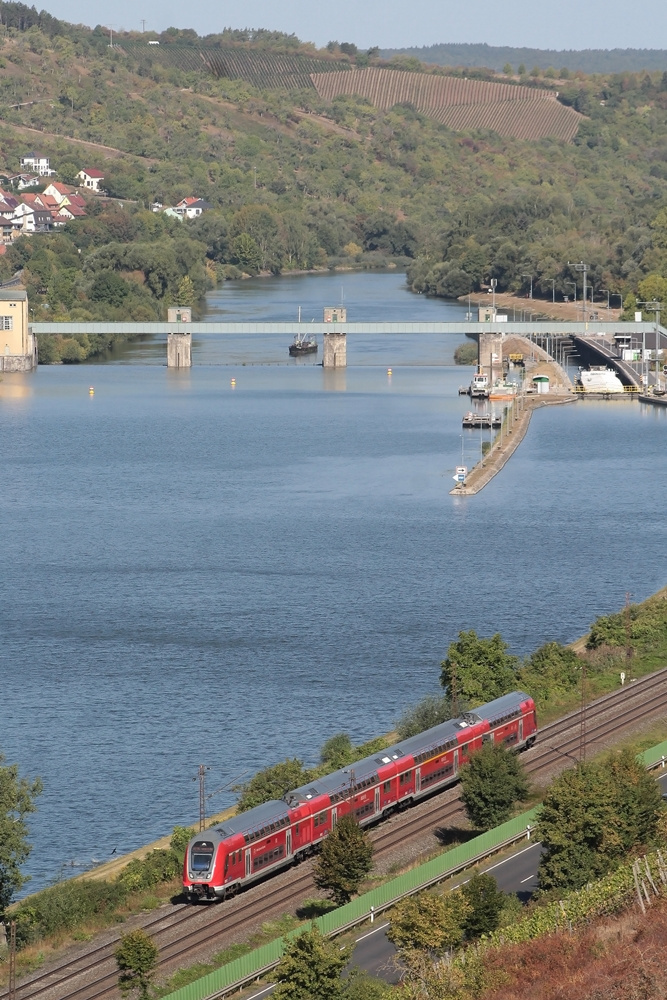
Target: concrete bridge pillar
<point x="334" y="350"/>
<point x="179" y="350"/>
<point x="490" y="355"/>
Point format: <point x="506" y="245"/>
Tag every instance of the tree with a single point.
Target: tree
<point x="311" y="968"/>
<point x="429" y="921"/>
<point x="337" y="751"/>
<point x="429" y="712"/>
<point x="345" y="861"/>
<point x="550" y="672"/>
<point x="186" y="291"/>
<point x="507" y="69"/>
<point x="136" y="958"/>
<point x="271" y="783"/>
<point x="246" y="253"/>
<point x="491" y="783"/>
<point x="591" y="818"/>
<point x="17" y="800"/>
<point x="478" y="670"/>
<point x="486" y="903"/>
<point x="109" y="287"/>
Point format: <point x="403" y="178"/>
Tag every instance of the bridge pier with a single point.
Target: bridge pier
<point x="490" y="356"/>
<point x="179" y="350"/>
<point x="334" y="350"/>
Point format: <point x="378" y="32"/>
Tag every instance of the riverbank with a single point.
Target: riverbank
<point x="516" y="305"/>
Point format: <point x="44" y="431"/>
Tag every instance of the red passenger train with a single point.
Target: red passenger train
<point x="221" y="861"/>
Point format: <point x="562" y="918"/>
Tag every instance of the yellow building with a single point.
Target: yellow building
<point x="18" y="347"/>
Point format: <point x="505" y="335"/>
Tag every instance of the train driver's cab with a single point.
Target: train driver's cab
<point x="201" y="859"/>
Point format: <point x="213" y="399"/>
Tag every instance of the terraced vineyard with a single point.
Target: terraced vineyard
<point x="462" y="105"/>
<point x="265" y="70"/>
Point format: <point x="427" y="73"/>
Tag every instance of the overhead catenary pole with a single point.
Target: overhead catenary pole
<point x="201" y="777"/>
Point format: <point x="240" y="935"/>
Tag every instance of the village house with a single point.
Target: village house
<point x="191" y="208"/>
<point x="23" y="181"/>
<point x="37" y="163"/>
<point x="31" y="219"/>
<point x="61" y="192"/>
<point x="91" y="178"/>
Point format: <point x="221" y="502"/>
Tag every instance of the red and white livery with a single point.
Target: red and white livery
<point x="224" y="859"/>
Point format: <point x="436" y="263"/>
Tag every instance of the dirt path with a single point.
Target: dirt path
<point x="515" y="304"/>
<point x="110" y="151"/>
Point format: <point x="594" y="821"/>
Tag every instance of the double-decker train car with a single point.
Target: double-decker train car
<point x="222" y="860"/>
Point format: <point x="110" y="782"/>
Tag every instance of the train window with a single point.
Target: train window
<point x="386" y="787"/>
<point x="296" y="829"/>
<point x="323" y="818"/>
<point x="406" y="777"/>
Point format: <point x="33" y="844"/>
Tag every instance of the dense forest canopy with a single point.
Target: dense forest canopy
<point x="298" y="182"/>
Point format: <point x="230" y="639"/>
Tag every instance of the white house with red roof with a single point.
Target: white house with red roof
<point x="91" y="178"/>
<point x="61" y="192"/>
<point x="191" y="208"/>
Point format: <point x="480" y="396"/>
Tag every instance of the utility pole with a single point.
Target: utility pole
<point x="493" y="283"/>
<point x="143" y="25"/>
<point x="583" y="268"/>
<point x="582" y="730"/>
<point x="201" y="777"/>
<point x="11" y="995"/>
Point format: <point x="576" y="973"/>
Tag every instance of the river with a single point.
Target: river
<point x="195" y="572"/>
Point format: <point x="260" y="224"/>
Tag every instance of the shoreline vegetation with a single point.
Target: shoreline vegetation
<point x="633" y="639"/>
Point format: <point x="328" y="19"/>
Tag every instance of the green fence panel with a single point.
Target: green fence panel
<point x="654" y="754"/>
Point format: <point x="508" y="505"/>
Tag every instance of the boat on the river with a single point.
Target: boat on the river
<point x="502" y="390"/>
<point x="598" y="378"/>
<point x="485" y="420"/>
<point x="303" y="344"/>
<point x="479" y="387"/>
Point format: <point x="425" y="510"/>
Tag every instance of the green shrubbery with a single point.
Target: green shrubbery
<point x="68" y="905"/>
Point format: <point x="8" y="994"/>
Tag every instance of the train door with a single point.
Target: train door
<point x="377" y="800"/>
<point x="456" y="761"/>
<point x="247" y="862"/>
<point x="520" y="730"/>
<point x="418" y="779"/>
<point x="334" y="816"/>
<point x="288" y="842"/>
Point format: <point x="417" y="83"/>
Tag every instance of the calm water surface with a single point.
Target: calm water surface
<point x="199" y="573"/>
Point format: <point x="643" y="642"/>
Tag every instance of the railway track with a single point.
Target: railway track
<point x="184" y="931"/>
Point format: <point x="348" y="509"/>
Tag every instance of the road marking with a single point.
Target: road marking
<point x="512" y="857"/>
<point x="370" y="933"/>
<point x="529" y="879"/>
<point x="267" y="990"/>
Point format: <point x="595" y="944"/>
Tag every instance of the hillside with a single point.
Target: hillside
<point x="457" y="179"/>
<point x="575" y="61"/>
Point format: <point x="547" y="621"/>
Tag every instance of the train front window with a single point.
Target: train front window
<point x="201" y="856"/>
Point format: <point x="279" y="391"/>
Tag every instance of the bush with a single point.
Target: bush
<point x="429" y="712"/>
<point x="466" y="354"/>
<point x="66" y="906"/>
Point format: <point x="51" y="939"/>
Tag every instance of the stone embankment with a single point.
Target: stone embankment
<point x="513" y="432"/>
<point x="517" y="418"/>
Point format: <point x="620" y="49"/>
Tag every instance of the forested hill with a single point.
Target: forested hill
<point x="292" y="177"/>
<point x="498" y="56"/>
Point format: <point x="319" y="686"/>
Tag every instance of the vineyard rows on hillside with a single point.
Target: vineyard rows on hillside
<point x="513" y="111"/>
<point x="262" y="69"/>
